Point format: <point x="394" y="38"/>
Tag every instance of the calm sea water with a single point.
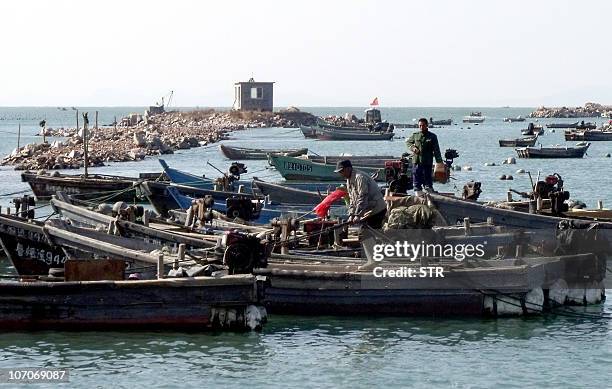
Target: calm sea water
<point x="549" y="351"/>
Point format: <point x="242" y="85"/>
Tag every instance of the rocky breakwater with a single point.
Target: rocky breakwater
<point x="164" y="133"/>
<point x="589" y="110"/>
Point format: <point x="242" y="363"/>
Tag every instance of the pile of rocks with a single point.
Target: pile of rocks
<point x="589" y="110"/>
<point x="164" y="133"/>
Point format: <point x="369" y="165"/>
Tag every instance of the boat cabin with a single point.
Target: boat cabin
<point x="372" y="115"/>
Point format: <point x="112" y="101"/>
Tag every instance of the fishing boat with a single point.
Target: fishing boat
<point x="118" y="188"/>
<point x="474" y="117"/>
<point x="28" y="247"/>
<point x="562" y="125"/>
<point x="533" y="130"/>
<point x="308" y="131"/>
<point x="516" y="119"/>
<point x="155" y="232"/>
<point x="519" y="142"/>
<point x="228" y="183"/>
<point x="586" y="126"/>
<point x="454" y="210"/>
<point x="327" y="134"/>
<point x="443" y="122"/>
<point x="240" y="153"/>
<point x="230" y="302"/>
<point x="553" y="152"/>
<point x="588" y="135"/>
<point x="304" y="170"/>
<point x="343" y="286"/>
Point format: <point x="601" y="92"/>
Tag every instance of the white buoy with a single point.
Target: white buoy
<point x="557" y="292"/>
<point x="534" y="300"/>
<point x="511" y="161"/>
<point x="253" y="317"/>
<point x="506" y="305"/>
<point x="575" y="296"/>
<point x="594" y="292"/>
<point x="520" y="171"/>
<point x="467" y="168"/>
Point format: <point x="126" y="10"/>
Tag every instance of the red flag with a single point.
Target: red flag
<point x="323" y="207"/>
<point x="375" y="101"/>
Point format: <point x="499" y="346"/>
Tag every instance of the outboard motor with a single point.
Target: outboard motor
<point x="449" y="156"/>
<point x="241" y="252"/>
<point x="471" y="190"/>
<point x="240" y="207"/>
<point x="552" y="188"/>
<point x="236" y="169"/>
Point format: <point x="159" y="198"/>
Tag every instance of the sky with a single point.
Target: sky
<point x="319" y="53"/>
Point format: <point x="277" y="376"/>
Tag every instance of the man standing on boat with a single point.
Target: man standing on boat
<point x="366" y="200"/>
<point x="424" y="146"/>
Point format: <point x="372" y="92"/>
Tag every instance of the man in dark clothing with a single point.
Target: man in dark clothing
<point x="424" y="146"/>
<point x="366" y="200"/>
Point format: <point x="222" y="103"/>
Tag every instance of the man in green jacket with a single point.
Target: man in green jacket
<point x="424" y="147"/>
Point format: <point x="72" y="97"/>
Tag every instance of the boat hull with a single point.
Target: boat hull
<point x="238" y="153"/>
<point x="200" y="303"/>
<point x="44" y="186"/>
<point x="304" y="170"/>
<point x="552" y="152"/>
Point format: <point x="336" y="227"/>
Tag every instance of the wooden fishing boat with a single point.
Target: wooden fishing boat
<point x="194" y="303"/>
<point x="562" y="125"/>
<point x="589" y="135"/>
<point x="116" y="188"/>
<point x="327" y="134"/>
<point x="183" y="180"/>
<point x="455" y="209"/>
<point x="28" y="247"/>
<point x="300" y="169"/>
<point x="535" y="130"/>
<point x="156" y="233"/>
<point x="516" y="119"/>
<point x="443" y="122"/>
<point x="519" y="142"/>
<point x="336" y="286"/>
<point x="240" y="153"/>
<point x="553" y="152"/>
<point x="308" y="131"/>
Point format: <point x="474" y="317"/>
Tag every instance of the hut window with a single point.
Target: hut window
<point x="257" y="93"/>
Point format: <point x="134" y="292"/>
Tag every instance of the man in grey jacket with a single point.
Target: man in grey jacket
<point x="366" y="200"/>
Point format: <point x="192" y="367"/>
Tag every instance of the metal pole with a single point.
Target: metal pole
<point x="85" y="146"/>
<point x="77" y="117"/>
<point x="96" y="120"/>
<point x="18" y="135"/>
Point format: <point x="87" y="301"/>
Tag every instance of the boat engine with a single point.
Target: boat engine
<point x="241" y="207"/>
<point x="552" y="188"/>
<point x="241" y="252"/>
<point x="449" y="156"/>
<point x="471" y="190"/>
<point x="236" y="169"/>
<point x="398" y="175"/>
